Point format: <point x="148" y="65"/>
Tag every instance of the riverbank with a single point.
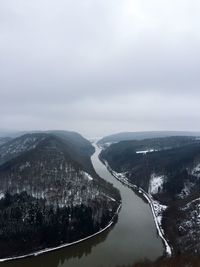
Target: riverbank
<point x="121" y="177"/>
<point x="46" y="250"/>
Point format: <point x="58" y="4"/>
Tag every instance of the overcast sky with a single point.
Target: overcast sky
<point x="100" y="66"/>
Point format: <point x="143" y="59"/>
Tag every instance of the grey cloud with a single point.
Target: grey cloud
<point x="99" y="66"/>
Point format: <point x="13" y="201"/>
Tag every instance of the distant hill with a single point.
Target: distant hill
<point x="80" y="148"/>
<point x="4" y="140"/>
<point x="50" y="193"/>
<point x="142" y="135"/>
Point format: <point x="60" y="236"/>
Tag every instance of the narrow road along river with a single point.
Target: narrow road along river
<point x="133" y="238"/>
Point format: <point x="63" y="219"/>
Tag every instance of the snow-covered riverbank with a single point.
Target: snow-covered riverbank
<point x="37" y="253"/>
<point x="122" y="178"/>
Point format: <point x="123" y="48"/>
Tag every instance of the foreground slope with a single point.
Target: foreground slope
<point x="47" y="196"/>
<point x="169" y="170"/>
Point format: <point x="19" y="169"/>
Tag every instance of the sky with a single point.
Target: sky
<point x="100" y="67"/>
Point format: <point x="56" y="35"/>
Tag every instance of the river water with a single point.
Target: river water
<point x="133" y="238"/>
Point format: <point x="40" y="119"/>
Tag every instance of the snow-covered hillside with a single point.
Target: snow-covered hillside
<point x="156" y="183"/>
<point x="49" y="193"/>
<point x="19" y="145"/>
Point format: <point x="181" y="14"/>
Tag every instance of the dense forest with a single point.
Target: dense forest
<point x="135" y="136"/>
<point x="47" y="198"/>
<point x="169" y="169"/>
<point x="169" y="156"/>
<point x="28" y="223"/>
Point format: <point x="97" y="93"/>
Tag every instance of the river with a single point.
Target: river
<point x="133" y="238"/>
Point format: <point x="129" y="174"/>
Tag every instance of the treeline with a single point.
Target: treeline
<point x="175" y="163"/>
<point x="180" y="192"/>
<point x="47" y="171"/>
<point x="28" y="224"/>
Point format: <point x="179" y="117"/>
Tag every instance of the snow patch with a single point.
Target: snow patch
<point x="156" y="208"/>
<point x="159" y="209"/>
<point x="24" y="166"/>
<point x="186" y="189"/>
<point x="146" y="151"/>
<point x="88" y="176"/>
<point x="190" y="203"/>
<point x="156" y="184"/>
<point x="196" y="171"/>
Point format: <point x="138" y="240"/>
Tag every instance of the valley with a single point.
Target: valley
<point x="86" y="203"/>
<point x="168" y="170"/>
<point x="133" y="237"/>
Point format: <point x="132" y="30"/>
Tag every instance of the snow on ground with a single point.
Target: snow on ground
<point x="196" y="171"/>
<point x="121" y="176"/>
<point x="188" y="185"/>
<point x="87" y="176"/>
<point x="24" y="166"/>
<point x="146" y="151"/>
<point x="156" y="208"/>
<point x="156" y="183"/>
<point x="111" y="198"/>
<point x="186" y="189"/>
<point x="159" y="209"/>
<point x="2" y="195"/>
<point x="189" y="226"/>
<point x="190" y="203"/>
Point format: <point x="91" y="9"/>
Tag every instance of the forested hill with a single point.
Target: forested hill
<point x="4" y="140"/>
<point x="78" y="147"/>
<point x="128" y="136"/>
<point x="141" y="158"/>
<point x="50" y="193"/>
<point x="169" y="170"/>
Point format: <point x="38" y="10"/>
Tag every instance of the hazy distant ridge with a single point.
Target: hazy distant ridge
<point x="123" y="136"/>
